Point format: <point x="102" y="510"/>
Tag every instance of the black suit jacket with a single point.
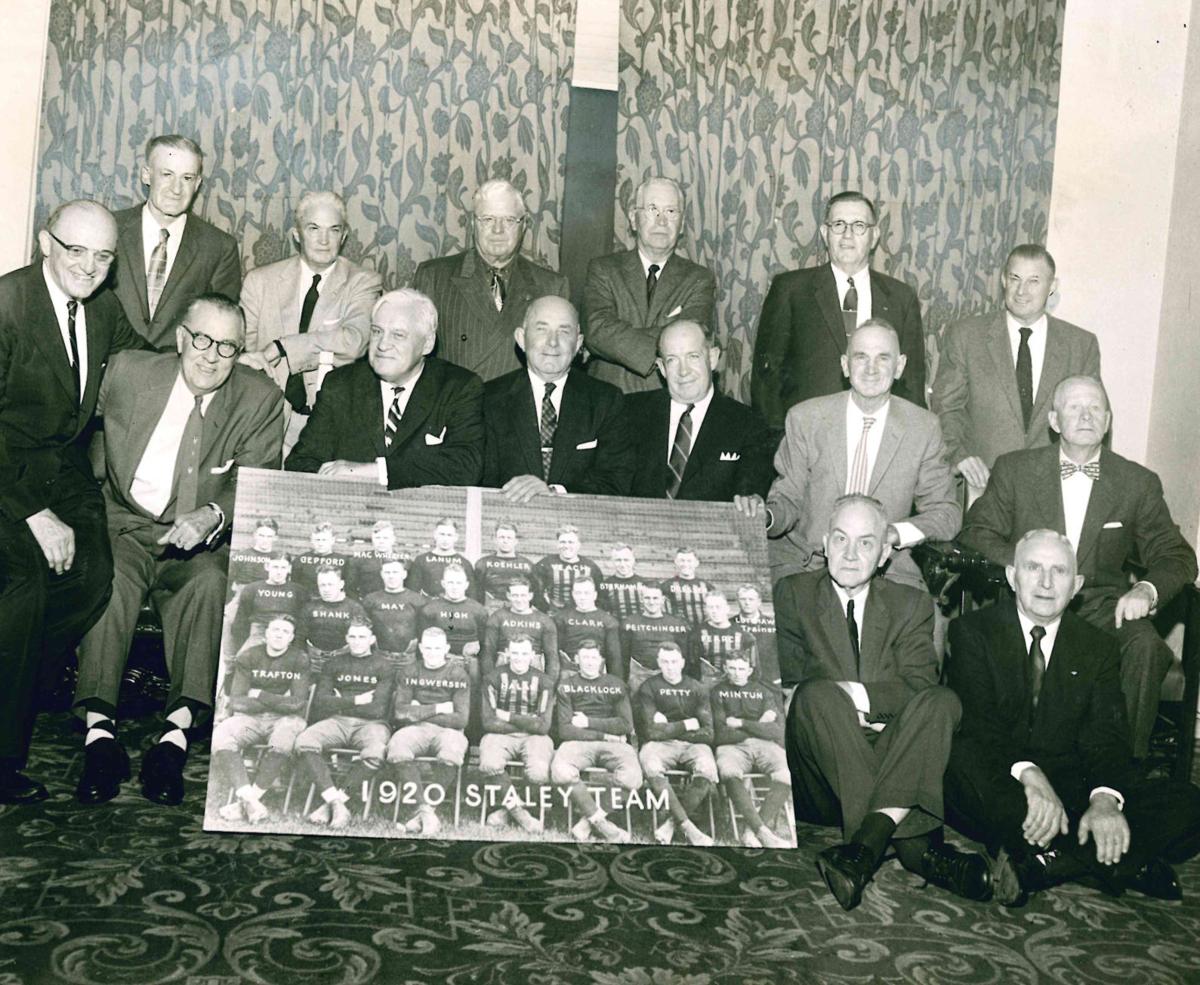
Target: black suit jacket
<point x="1127" y="523"/>
<point x="801" y="339"/>
<point x="897" y="658"/>
<point x="207" y="260"/>
<point x="1078" y="736"/>
<point x="439" y="441"/>
<point x="731" y="454"/>
<point x="43" y="430"/>
<point x="592" y="450"/>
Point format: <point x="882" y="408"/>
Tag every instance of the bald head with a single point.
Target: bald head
<point x="873" y="362"/>
<point x="1081" y="416"/>
<point x="79" y="244"/>
<point x="549" y="336"/>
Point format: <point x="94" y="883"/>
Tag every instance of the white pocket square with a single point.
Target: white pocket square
<point x="219" y="470"/>
<point x="436" y="439"/>
<point x="730" y="456"/>
<point x="585" y="445"/>
<point x="678" y="310"/>
<point x="1112" y="525"/>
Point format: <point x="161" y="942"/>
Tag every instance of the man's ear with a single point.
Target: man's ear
<point x="1010" y="575"/>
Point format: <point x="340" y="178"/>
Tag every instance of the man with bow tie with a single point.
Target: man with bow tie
<point x="1113" y="513"/>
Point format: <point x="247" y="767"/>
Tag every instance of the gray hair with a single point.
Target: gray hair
<point x="424" y="314"/>
<point x="313" y="200"/>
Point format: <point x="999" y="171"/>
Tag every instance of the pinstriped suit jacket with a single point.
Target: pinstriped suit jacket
<point x="471" y="332"/>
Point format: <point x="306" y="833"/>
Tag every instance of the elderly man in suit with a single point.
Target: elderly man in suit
<point x="866" y="441"/>
<point x="481" y="294"/>
<point x="691" y="442"/>
<point x="631" y="296"/>
<point x="179" y="427"/>
<point x="1113" y="513"/>
<point x="401" y="417"/>
<point x="168" y="256"/>
<point x="868" y="730"/>
<point x="1040" y="766"/>
<point x="56" y="336"/>
<point x="809" y="315"/>
<point x="997" y="371"/>
<point x="549" y="427"/>
<point x="313" y="305"/>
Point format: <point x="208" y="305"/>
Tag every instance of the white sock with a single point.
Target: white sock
<point x="94" y="718"/>
<point x="180" y="719"/>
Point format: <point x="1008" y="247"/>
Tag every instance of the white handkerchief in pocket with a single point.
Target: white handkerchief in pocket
<point x="678" y="311"/>
<point x="221" y="469"/>
<point x="586" y="445"/>
<point x="436" y="439"/>
<point x="1112" y="525"/>
<point x="730" y="456"/>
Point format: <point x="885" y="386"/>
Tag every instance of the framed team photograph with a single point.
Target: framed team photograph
<point x="441" y="662"/>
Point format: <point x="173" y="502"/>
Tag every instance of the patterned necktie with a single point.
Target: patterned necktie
<point x="651" y="281"/>
<point x="73" y="337"/>
<point x="187" y="462"/>
<point x="294" y="391"/>
<point x="393" y="418"/>
<point x="850" y="308"/>
<point x="1025" y="376"/>
<point x="852" y="627"/>
<point x="859" y="473"/>
<point x="1037" y="662"/>
<point x="156" y="273"/>
<point x="548" y="423"/>
<point x="1068" y="469"/>
<point x="497" y="289"/>
<point x="680" y="450"/>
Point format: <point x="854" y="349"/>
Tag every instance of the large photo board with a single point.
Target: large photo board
<point x="441" y="662"/>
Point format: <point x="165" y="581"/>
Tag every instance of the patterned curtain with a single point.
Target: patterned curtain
<point x="402" y="106"/>
<point x="943" y="112"/>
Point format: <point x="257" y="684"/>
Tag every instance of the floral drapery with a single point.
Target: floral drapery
<point x="402" y="106"/>
<point x="943" y="112"/>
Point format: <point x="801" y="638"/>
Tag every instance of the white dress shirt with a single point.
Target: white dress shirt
<point x="646" y="261"/>
<point x="150" y="228"/>
<point x="1037" y="345"/>
<point x="155" y="474"/>
<point x="862" y="284"/>
<point x="699" y="410"/>
<point x="1076" y="494"/>
<point x="858" y="691"/>
<point x="387" y="392"/>
<point x="909" y="533"/>
<point x="306" y="276"/>
<point x="539" y="392"/>
<point x="59" y="299"/>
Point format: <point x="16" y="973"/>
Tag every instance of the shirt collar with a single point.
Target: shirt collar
<point x="860" y="600"/>
<point x="700" y="405"/>
<point x="1039" y="327"/>
<point x="151" y="225"/>
<point x="1051" y="633"/>
<point x="855" y="415"/>
<point x="58" y="297"/>
<point x="646" y="261"/>
<point x="389" y="389"/>
<point x="307" y="274"/>
<point x="1064" y="460"/>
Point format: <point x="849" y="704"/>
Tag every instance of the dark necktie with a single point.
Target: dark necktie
<point x="1037" y="662"/>
<point x="680" y="450"/>
<point x="187" y="462"/>
<point x="651" y="281"/>
<point x="850" y="308"/>
<point x="497" y="289"/>
<point x="548" y="423"/>
<point x="1068" y="469"/>
<point x="852" y="627"/>
<point x="73" y="338"/>
<point x="393" y="418"/>
<point x="294" y="392"/>
<point x="156" y="275"/>
<point x="1025" y="376"/>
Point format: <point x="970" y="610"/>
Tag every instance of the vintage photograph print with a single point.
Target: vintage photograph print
<point x="441" y="662"/>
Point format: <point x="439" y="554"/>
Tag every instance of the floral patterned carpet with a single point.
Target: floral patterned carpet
<point x="134" y="894"/>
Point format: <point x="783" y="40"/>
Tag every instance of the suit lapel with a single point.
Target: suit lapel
<point x="526" y="422"/>
<point x="148" y="407"/>
<point x="288" y="286"/>
<point x="188" y="251"/>
<point x="831" y="306"/>
<point x="893" y="435"/>
<point x="658" y="427"/>
<point x="835" y="428"/>
<point x="1054" y="368"/>
<point x="1101" y="503"/>
<point x="133" y="255"/>
<point x="574" y="423"/>
<point x="49" y="338"/>
<point x="420" y="404"/>
<point x="635" y="282"/>
<point x="704" y="443"/>
<point x="874" y="623"/>
<point x="1055" y="517"/>
<point x="669" y="279"/>
<point x="838" y="632"/>
<point x="1005" y="373"/>
<point x="97" y="342"/>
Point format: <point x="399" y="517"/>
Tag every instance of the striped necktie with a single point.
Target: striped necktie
<point x="156" y="274"/>
<point x="850" y="308"/>
<point x="393" y="418"/>
<point x="548" y="424"/>
<point x="680" y="450"/>
<point x="859" y="473"/>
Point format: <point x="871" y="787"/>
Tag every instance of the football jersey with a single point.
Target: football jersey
<point x="504" y="624"/>
<point x="620" y="595"/>
<point x="351" y="677"/>
<point x="713" y="644"/>
<point x="748" y="702"/>
<point x="428" y="688"/>
<point x="677" y="702"/>
<point x="362" y="572"/>
<point x="394" y="617"/>
<point x="574" y="627"/>
<point x="556" y="576"/>
<point x="763" y="629"/>
<point x="463" y="622"/>
<point x="685" y="597"/>
<point x="259" y="601"/>
<point x="247" y="565"/>
<point x="324" y="624"/>
<point x="425" y="573"/>
<point x="306" y="566"/>
<point x="605" y="701"/>
<point x="641" y="636"/>
<point x="494" y="573"/>
<point x="526" y="695"/>
<point x="286" y="674"/>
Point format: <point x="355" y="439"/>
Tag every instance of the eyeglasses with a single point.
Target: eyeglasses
<point x="505" y="222"/>
<point x="654" y="212"/>
<point x="102" y="257"/>
<point x="202" y="343"/>
<point x="858" y="227"/>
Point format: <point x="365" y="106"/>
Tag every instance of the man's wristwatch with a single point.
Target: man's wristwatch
<point x="279" y="354"/>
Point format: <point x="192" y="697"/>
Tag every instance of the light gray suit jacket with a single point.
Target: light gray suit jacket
<point x="911" y="478"/>
<point x="975" y="392"/>
<point x="272" y="297"/>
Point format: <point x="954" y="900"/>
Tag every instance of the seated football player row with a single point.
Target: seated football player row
<point x="409" y="724"/>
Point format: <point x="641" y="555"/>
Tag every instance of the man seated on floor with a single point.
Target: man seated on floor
<point x="1040" y="770"/>
<point x="349" y="709"/>
<point x="178" y="427"/>
<point x="433" y="697"/>
<point x="594" y="723"/>
<point x="268" y="692"/>
<point x="674" y="720"/>
<point x="868" y="731"/>
<point x="748" y="729"/>
<point x="516" y="724"/>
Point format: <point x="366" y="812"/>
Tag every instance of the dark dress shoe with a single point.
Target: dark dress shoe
<point x="17" y="788"/>
<point x="1157" y="879"/>
<point x="846" y="870"/>
<point x="162" y="774"/>
<point x="965" y="874"/>
<point x="1015" y="878"/>
<point x="105" y="768"/>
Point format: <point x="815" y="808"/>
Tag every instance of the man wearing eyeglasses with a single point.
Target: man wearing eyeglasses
<point x="481" y="294"/>
<point x="631" y="296"/>
<point x="169" y="256"/>
<point x="56" y="335"/>
<point x="179" y="426"/>
<point x="809" y="315"/>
